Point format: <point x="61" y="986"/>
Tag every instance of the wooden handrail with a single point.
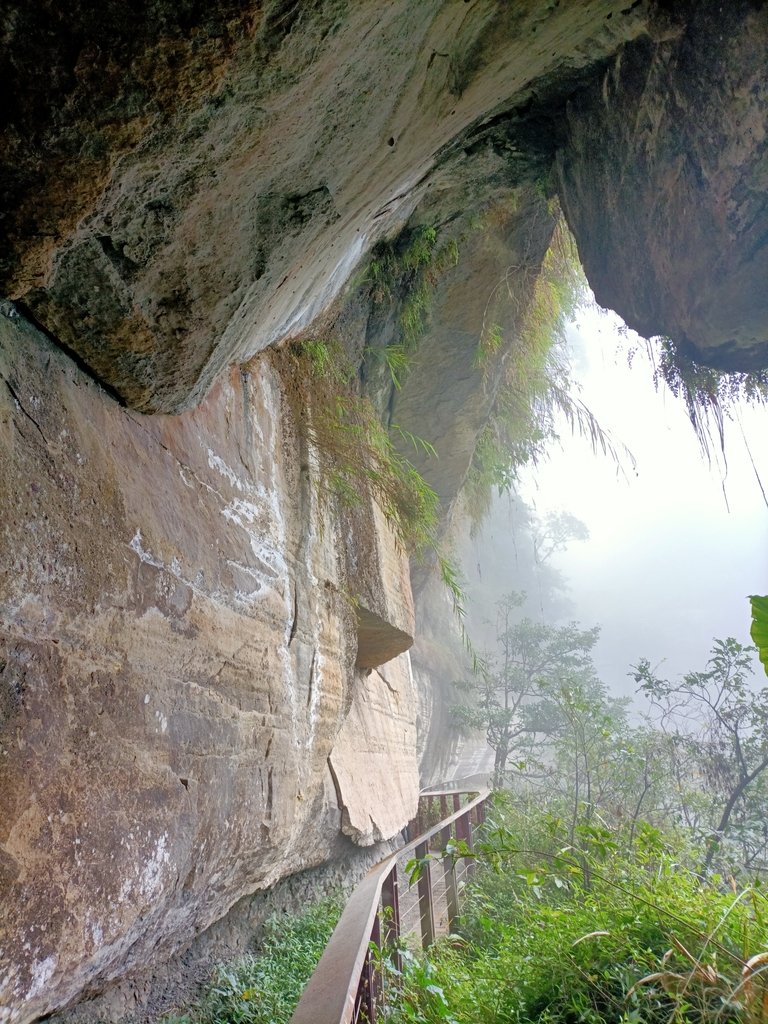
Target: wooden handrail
<point x="331" y="994"/>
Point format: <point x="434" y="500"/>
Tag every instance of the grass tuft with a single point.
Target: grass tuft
<point x="264" y="987"/>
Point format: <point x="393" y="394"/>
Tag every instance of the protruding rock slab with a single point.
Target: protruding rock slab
<point x="664" y="181"/>
<point x="378" y="744"/>
<point x="183" y="186"/>
<point x="378" y="641"/>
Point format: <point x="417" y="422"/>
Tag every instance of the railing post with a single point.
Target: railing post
<point x="464" y="832"/>
<point x="370" y="982"/>
<point x="480" y="812"/>
<point x="451" y="889"/>
<point x="349" y="976"/>
<point x="390" y="901"/>
<point x="426" y="909"/>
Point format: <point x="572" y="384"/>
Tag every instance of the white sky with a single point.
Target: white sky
<point x="668" y="566"/>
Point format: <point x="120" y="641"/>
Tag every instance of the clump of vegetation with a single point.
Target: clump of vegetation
<point x="356" y="454"/>
<point x="609" y="928"/>
<point x="699" y="763"/>
<point x="620" y="870"/>
<point x="409" y="270"/>
<point x="710" y="396"/>
<point x="406" y="271"/>
<point x="264" y="987"/>
<point x="759" y="628"/>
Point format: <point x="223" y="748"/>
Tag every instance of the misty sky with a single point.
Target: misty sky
<point x="668" y="565"/>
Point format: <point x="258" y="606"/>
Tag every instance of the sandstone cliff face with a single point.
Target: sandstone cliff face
<point x="176" y="673"/>
<point x="212" y="179"/>
<point x="202" y="671"/>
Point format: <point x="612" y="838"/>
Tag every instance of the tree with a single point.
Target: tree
<point x="532" y="660"/>
<point x="554" y="532"/>
<point x="718" y="729"/>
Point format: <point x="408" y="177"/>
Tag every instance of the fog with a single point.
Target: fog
<point x="676" y="544"/>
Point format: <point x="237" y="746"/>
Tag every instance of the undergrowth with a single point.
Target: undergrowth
<point x="264" y="987"/>
<point x="607" y="930"/>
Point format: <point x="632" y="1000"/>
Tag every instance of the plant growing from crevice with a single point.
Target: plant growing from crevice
<point x="357" y="457"/>
<point x="535" y="388"/>
<point x="405" y="272"/>
<point x="710" y="396"/>
<point x="355" y="452"/>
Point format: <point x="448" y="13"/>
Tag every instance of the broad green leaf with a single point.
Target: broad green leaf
<point x="759" y="630"/>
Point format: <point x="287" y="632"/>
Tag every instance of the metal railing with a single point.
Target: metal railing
<point x="383" y="911"/>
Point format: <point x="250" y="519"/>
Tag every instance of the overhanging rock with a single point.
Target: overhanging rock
<point x="378" y="641"/>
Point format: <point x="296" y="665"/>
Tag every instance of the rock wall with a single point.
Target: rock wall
<point x="167" y="985"/>
<point x="663" y="179"/>
<point x="192" y="697"/>
<point x="213" y="175"/>
<point x="181" y="719"/>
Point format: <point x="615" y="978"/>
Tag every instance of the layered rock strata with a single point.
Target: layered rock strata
<point x="177" y="668"/>
<point x="185" y="625"/>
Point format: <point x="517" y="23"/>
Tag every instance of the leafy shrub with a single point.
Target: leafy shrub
<point x="264" y="988"/>
<point x="608" y="930"/>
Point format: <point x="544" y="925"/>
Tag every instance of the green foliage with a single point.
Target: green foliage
<point x="354" y="450"/>
<point x="516" y="698"/>
<point x="490" y="344"/>
<point x="397" y="362"/>
<point x="596" y="900"/>
<point x="710" y="396"/>
<point x="759" y="628"/>
<point x="603" y="929"/>
<point x="264" y="988"/>
<point x="356" y="455"/>
<point x="699" y="763"/>
<point x="406" y="271"/>
<point x="718" y="727"/>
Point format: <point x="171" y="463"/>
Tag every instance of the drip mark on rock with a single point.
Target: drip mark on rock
<point x="31" y="418"/>
<point x="311" y="677"/>
<point x="295" y="615"/>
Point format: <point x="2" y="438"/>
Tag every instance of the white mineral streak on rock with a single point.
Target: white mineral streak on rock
<point x="41" y="975"/>
<point x="316" y="682"/>
<point x="259" y="514"/>
<point x="317" y="296"/>
<point x="144" y="556"/>
<point x="217" y="463"/>
<point x="223" y="681"/>
<point x="152" y="875"/>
